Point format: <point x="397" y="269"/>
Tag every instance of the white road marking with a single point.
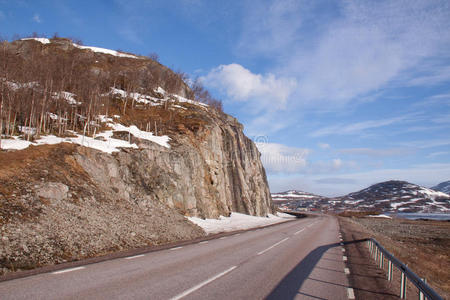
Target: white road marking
<point x="343" y="249"/>
<point x="342" y="244"/>
<point x="204" y="242"/>
<point x="344" y="258"/>
<point x="350" y="293"/>
<point x="68" y="270"/>
<point x="136" y="256"/>
<point x="299" y="231"/>
<point x="347" y="271"/>
<point x="200" y="285"/>
<point x="176" y="248"/>
<point x="222" y="238"/>
<point x="274" y="245"/>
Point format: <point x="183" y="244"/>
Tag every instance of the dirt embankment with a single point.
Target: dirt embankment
<point x="422" y="245"/>
<point x="52" y="212"/>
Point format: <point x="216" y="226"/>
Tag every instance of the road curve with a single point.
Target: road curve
<point x="301" y="259"/>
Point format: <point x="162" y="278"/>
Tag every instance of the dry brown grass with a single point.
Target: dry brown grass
<point x="422" y="245"/>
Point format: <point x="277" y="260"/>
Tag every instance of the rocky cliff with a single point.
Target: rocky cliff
<point x="62" y="199"/>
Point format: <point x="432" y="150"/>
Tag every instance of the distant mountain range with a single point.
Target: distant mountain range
<point x="388" y="196"/>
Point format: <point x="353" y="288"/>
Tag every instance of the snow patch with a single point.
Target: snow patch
<point x="41" y="40"/>
<point x="379" y="216"/>
<point x="69" y="97"/>
<point x="238" y="221"/>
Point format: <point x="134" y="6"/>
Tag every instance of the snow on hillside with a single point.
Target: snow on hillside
<point x="442" y="187"/>
<point x="238" y="221"/>
<point x="102" y="141"/>
<point x="94" y="49"/>
<point x="293" y="195"/>
<point x="41" y="40"/>
<point x="395" y="196"/>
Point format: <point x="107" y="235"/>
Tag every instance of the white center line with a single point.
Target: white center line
<point x="176" y="248"/>
<point x="200" y="285"/>
<point x="274" y="245"/>
<point x="204" y="242"/>
<point x="347" y="271"/>
<point x="299" y="231"/>
<point x="344" y="258"/>
<point x="136" y="256"/>
<point x="350" y="293"/>
<point x="68" y="270"/>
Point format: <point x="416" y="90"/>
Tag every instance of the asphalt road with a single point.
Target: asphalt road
<point x="301" y="259"/>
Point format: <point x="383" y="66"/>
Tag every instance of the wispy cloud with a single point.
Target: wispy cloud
<point x="441" y="153"/>
<point x="324" y="146"/>
<point x="356" y="128"/>
<point x="37" y="18"/>
<point x="376" y="152"/>
<point x="363" y="46"/>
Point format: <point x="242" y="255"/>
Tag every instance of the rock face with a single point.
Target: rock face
<point x="210" y="173"/>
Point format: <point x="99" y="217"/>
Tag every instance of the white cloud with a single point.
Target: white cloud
<point x="37" y="18"/>
<point x="324" y="146"/>
<point x="241" y="84"/>
<point x="337" y="163"/>
<point x="278" y="158"/>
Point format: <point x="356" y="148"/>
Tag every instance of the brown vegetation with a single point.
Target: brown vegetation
<point x="33" y="77"/>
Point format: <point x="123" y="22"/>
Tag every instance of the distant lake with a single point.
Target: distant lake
<point x="415" y="216"/>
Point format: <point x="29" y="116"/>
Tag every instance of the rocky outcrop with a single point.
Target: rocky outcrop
<point x="210" y="173"/>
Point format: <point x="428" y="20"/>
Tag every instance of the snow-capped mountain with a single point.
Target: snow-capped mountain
<point x="395" y="196"/>
<point x="442" y="187"/>
<point x="294" y="195"/>
<point x="296" y="200"/>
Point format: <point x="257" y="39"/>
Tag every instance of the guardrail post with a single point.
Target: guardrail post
<point x="421" y="295"/>
<point x="381" y="260"/>
<point x="390" y="273"/>
<point x="403" y="286"/>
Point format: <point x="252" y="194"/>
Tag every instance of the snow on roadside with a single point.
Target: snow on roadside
<point x="238" y="221"/>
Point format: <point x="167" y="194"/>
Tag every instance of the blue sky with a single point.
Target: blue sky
<point x="338" y="95"/>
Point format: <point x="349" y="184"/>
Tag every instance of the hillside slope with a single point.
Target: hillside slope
<point x="442" y="187"/>
<point x="117" y="150"/>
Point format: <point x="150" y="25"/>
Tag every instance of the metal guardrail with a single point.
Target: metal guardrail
<point x="380" y="255"/>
